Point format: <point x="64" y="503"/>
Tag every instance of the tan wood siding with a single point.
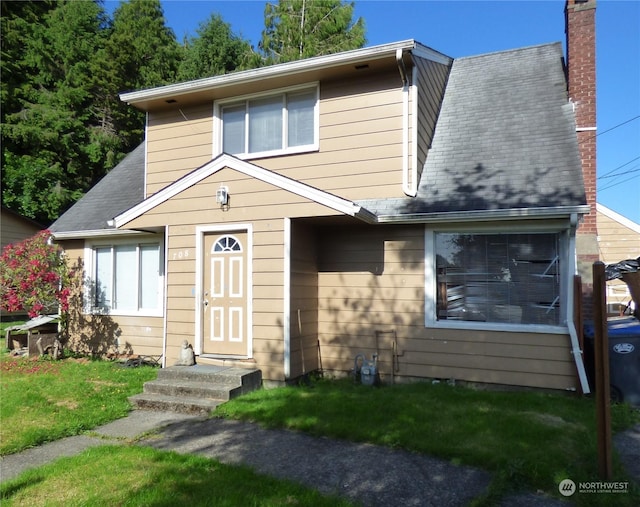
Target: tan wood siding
<point x="360" y="153"/>
<point x="617" y="242"/>
<point x="251" y="201"/>
<point x="178" y="140"/>
<point x="304" y="300"/>
<point x="249" y="198"/>
<point x="106" y="334"/>
<point x="371" y="279"/>
<point x="432" y="78"/>
<point x="15" y="229"/>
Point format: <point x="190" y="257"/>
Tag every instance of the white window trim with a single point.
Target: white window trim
<point x="430" y="288"/>
<point x="89" y="275"/>
<point x="217" y="123"/>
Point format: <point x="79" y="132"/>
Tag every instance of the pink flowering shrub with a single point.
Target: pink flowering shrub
<point x="34" y="277"/>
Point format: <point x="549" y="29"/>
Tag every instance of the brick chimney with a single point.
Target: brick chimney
<point x="581" y="76"/>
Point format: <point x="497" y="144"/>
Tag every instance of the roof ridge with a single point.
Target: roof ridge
<point x="513" y="50"/>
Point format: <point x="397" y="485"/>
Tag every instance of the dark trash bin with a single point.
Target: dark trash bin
<point x="624" y="358"/>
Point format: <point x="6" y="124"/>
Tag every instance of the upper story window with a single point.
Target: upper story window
<point x="285" y="122"/>
<point x="497" y="278"/>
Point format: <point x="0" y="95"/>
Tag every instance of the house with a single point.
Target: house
<point x="16" y="227"/>
<point x="619" y="240"/>
<point x="388" y="200"/>
<point x="13" y="229"/>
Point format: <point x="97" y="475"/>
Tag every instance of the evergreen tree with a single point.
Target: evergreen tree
<point x="63" y="66"/>
<point x="214" y="51"/>
<point x="141" y="52"/>
<point x="49" y="147"/>
<point x="296" y="29"/>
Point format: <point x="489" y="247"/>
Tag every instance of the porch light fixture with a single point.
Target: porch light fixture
<point x="222" y="195"/>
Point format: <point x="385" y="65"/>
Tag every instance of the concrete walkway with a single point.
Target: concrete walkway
<point x="374" y="476"/>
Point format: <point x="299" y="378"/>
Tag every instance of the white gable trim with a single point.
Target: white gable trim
<point x="326" y="199"/>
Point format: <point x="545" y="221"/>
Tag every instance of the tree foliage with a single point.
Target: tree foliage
<point x="48" y="127"/>
<point x="64" y="64"/>
<point x="34" y="277"/>
<point x="215" y="50"/>
<point x="296" y="29"/>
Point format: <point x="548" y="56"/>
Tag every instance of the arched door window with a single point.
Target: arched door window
<point x="226" y="244"/>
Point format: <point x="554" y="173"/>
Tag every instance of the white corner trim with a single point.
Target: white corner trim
<point x="146" y="153"/>
<point x="287" y="298"/>
<point x="407" y="183"/>
<point x="165" y="298"/>
<point x="326" y="199"/>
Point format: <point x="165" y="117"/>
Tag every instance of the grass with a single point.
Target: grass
<point x="139" y="476"/>
<point x="45" y="400"/>
<point x="530" y="441"/>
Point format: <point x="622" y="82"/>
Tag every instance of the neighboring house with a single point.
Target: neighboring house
<point x="15" y="227"/>
<point x="619" y="240"/>
<point x="385" y="200"/>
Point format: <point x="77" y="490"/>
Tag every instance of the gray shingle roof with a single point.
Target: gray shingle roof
<point x="119" y="190"/>
<point x="505" y="139"/>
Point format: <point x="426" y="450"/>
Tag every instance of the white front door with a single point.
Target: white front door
<point x="224" y="301"/>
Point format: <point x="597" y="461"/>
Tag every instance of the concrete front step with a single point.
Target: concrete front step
<point x="192" y="389"/>
<point x="165" y="403"/>
<point x="197" y="389"/>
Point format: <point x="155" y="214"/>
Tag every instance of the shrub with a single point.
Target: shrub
<point x="34" y="276"/>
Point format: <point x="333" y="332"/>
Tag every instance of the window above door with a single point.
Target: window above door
<point x="278" y="123"/>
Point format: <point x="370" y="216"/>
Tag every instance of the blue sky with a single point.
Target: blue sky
<point x="466" y="28"/>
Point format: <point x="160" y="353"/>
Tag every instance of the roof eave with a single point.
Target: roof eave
<point x="485" y="215"/>
<point x="95" y="233"/>
<point x="284" y="69"/>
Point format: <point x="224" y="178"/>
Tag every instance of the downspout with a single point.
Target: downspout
<point x="408" y="183"/>
<point x="575" y="345"/>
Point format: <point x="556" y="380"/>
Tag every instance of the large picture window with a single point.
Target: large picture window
<point x="127" y="278"/>
<point x="498" y="278"/>
<point x="284" y="122"/>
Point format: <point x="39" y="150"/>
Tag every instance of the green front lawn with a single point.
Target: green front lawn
<point x="44" y="400"/>
<point x="530" y="441"/>
<point x="131" y="476"/>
